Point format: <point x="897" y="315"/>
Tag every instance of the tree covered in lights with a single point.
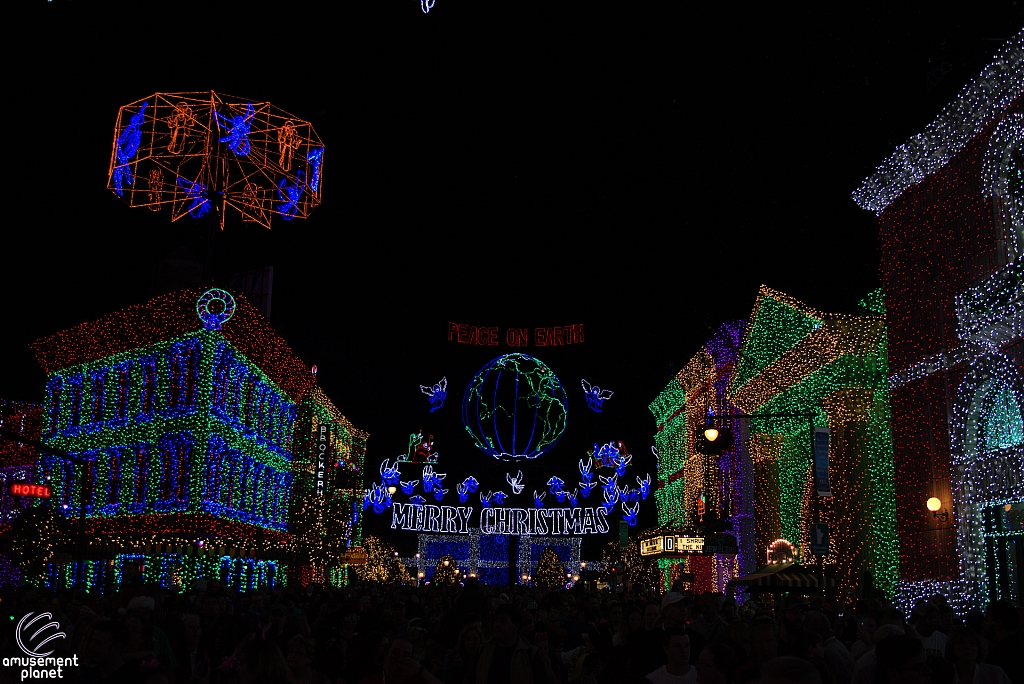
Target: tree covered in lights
<point x="611" y="554"/>
<point x="550" y="572"/>
<point x="445" y="571"/>
<point x="640" y="571"/>
<point x="399" y="574"/>
<point x="379" y="557"/>
<point x="37" y="533"/>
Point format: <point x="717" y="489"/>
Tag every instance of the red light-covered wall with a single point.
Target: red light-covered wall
<point x="937" y="239"/>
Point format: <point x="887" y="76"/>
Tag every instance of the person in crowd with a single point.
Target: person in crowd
<point x="962" y="649"/>
<point x="633" y="618"/>
<point x="507" y="656"/>
<point x="709" y="624"/>
<point x="146" y="641"/>
<point x="260" y="662"/>
<point x="218" y="632"/>
<point x="675" y="643"/>
<point x="1002" y="621"/>
<point x="195" y="665"/>
<point x="716" y="664"/>
<point x="106" y="642"/>
<point x="837" y="657"/>
<point x="809" y="647"/>
<point x="925" y="618"/>
<point x="792" y="624"/>
<point x="902" y="659"/>
<point x="739" y="639"/>
<point x="866" y="627"/>
<point x="764" y="642"/>
<point x="646" y="653"/>
<point x="864" y="668"/>
<point x="300" y="661"/>
<point x="789" y="670"/>
<point x="467" y="647"/>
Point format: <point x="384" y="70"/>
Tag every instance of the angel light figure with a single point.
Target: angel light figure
<point x="180" y="124"/>
<point x="629" y="514"/>
<point x="515" y="482"/>
<point x="437" y="393"/>
<point x="238" y="137"/>
<point x="127" y="146"/>
<point x="595" y="396"/>
<point x="290" y="195"/>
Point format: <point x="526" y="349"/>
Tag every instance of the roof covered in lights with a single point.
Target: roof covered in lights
<point x="169" y="316"/>
<point x="980" y="101"/>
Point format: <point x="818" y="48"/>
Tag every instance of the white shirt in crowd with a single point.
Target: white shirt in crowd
<point x="935" y="644"/>
<point x="662" y="676"/>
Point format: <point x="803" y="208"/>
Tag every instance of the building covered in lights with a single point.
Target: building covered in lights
<point x="951" y="220"/>
<point x="194" y="433"/>
<point x="772" y="381"/>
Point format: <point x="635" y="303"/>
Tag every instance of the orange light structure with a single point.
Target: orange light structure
<point x="203" y="152"/>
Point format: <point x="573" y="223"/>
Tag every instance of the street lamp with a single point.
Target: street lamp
<point x="392" y="489"/>
<point x="934" y="504"/>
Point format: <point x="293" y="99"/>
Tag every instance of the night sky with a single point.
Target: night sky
<point x="631" y="167"/>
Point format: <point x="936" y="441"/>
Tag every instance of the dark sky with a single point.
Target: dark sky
<point x="637" y="167"/>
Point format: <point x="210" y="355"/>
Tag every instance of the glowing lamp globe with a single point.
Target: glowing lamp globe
<point x="514" y="408"/>
<point x="934" y="504"/>
<point x="711" y="434"/>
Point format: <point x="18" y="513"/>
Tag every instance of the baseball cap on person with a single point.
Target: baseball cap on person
<point x="798" y="602"/>
<point x="670" y="598"/>
<point x="144" y="602"/>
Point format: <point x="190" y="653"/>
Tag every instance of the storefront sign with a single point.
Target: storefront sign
<point x="683" y="545"/>
<point x="513" y="521"/>
<point x="28" y="489"/>
<point x="323" y="453"/>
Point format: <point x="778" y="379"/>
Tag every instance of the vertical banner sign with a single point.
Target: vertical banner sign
<point x="821" y="462"/>
<point x="323" y="449"/>
<point x="819" y="539"/>
<point x="623" y="534"/>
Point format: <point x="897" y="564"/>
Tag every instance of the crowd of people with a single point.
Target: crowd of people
<point x="474" y="634"/>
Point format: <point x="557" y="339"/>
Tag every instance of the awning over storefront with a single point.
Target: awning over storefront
<point x="783" y="576"/>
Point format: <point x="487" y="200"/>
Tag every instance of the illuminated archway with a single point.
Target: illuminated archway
<point x="987" y="440"/>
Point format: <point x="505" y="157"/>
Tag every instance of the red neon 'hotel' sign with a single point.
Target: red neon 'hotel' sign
<point x="29" y="489"/>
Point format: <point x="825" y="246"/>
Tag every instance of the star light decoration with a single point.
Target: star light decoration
<point x="203" y="152"/>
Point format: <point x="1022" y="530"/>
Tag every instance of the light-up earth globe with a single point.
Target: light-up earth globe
<point x="514" y="408"/>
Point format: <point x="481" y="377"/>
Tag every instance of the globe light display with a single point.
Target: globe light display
<point x="514" y="408"/>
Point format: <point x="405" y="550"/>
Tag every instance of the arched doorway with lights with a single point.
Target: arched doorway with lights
<point x="988" y="457"/>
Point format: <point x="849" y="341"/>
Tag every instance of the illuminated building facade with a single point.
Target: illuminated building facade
<point x="789" y="370"/>
<point x="17" y="464"/>
<point x="325" y="516"/>
<point x="685" y="492"/>
<point x="183" y="418"/>
<point x="951" y="221"/>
